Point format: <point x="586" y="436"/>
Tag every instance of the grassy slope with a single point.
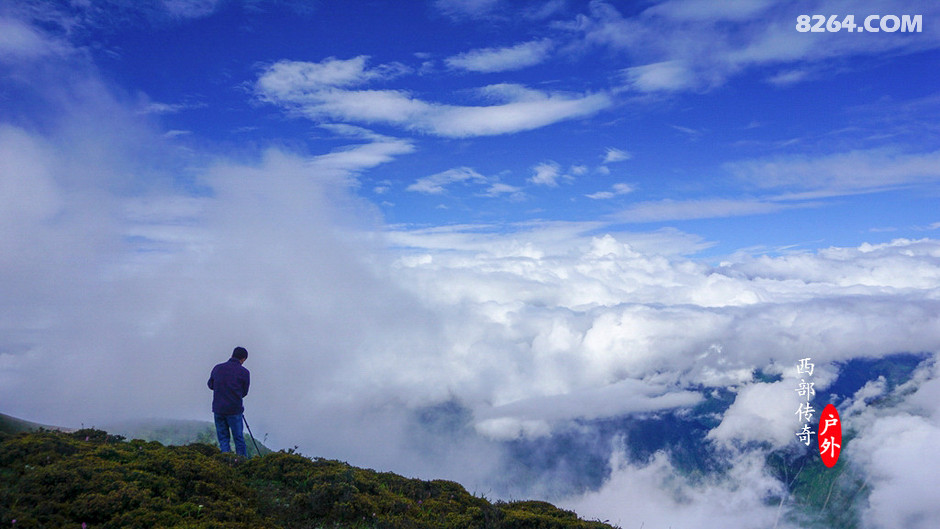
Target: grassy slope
<point x="9" y="424"/>
<point x="57" y="479"/>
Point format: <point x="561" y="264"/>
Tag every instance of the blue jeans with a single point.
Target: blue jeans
<point x="235" y="423"/>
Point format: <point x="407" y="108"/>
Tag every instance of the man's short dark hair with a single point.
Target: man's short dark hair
<point x="240" y="353"/>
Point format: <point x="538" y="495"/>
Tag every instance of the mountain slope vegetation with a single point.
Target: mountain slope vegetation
<point x="66" y="479"/>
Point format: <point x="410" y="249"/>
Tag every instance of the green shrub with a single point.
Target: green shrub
<point x="52" y="479"/>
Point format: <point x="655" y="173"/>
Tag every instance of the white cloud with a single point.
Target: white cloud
<point x="616" y="190"/>
<point x="466" y="8"/>
<point x="535" y="416"/>
<point x="759" y="414"/>
<point x="353" y="159"/>
<point x="657" y="495"/>
<point x="500" y="188"/>
<point x="190" y="8"/>
<point x="20" y="42"/>
<point x="322" y="91"/>
<point x="508" y="428"/>
<point x="285" y="79"/>
<point x="668" y="209"/>
<point x="546" y="9"/>
<point x="516" y="116"/>
<point x="901" y="456"/>
<point x="28" y="189"/>
<point x="666" y="75"/>
<point x="839" y="173"/>
<point x="797" y="181"/>
<point x="704" y="10"/>
<point x="487" y="60"/>
<point x="601" y="316"/>
<point x="509" y="92"/>
<point x="789" y="77"/>
<point x="613" y="155"/>
<point x="866" y="265"/>
<point x="859" y="401"/>
<point x="547" y="174"/>
<point x="693" y="134"/>
<point x="436" y="183"/>
<point x="924" y="400"/>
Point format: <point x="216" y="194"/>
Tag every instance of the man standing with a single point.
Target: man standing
<point x="229" y="384"/>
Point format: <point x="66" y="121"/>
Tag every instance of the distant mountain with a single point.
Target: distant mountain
<point x="177" y="432"/>
<point x="164" y="431"/>
<point x="10" y="424"/>
<point x="94" y="479"/>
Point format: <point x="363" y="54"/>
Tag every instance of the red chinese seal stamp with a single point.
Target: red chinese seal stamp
<point x="830" y="436"/>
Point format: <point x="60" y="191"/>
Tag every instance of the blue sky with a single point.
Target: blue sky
<point x="721" y="120"/>
<point x="529" y="217"/>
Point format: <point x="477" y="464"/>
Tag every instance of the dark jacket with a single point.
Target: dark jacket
<point x="229" y="384"/>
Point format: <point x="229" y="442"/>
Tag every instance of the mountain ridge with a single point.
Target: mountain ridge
<point x="91" y="478"/>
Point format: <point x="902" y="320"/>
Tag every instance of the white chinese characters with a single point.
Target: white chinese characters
<point x="806" y="410"/>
